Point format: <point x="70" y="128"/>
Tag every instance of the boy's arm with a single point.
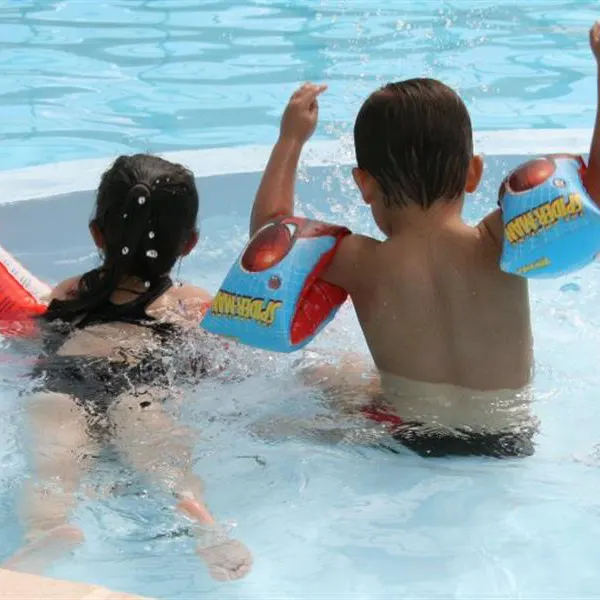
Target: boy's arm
<point x="492" y="226"/>
<point x="591" y="179"/>
<point x="275" y="195"/>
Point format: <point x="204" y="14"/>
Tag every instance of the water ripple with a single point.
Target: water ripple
<point x="83" y="79"/>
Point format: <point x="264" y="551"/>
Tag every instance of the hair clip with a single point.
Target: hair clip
<point x="141" y="200"/>
<point x="152" y="254"/>
<point x="125" y="251"/>
<point x="151" y="235"/>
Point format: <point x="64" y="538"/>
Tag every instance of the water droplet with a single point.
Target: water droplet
<point x="151" y="235"/>
<point x="141" y="200"/>
<point x="152" y="254"/>
<point x="125" y="251"/>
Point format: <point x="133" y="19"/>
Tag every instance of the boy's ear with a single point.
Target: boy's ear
<point x="365" y="183"/>
<point x="97" y="235"/>
<point x="191" y="243"/>
<point x="474" y="174"/>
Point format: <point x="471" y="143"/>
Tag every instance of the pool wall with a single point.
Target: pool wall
<point x="75" y="176"/>
<point x="44" y="210"/>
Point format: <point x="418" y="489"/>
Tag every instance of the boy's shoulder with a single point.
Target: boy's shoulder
<point x="490" y="240"/>
<point x="490" y="231"/>
<point x="356" y="242"/>
<point x="350" y="261"/>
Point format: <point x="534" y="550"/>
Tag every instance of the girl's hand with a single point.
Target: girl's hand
<point x="595" y="40"/>
<point x="302" y="113"/>
<point x="227" y="561"/>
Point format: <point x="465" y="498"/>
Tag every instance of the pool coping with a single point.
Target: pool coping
<point x="21" y="586"/>
<point x="82" y="175"/>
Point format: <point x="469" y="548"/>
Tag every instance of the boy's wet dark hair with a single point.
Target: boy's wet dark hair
<point x="415" y="139"/>
<point x="146" y="211"/>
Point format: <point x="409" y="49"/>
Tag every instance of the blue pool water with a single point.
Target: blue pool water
<point x="84" y="79"/>
<point x="334" y="520"/>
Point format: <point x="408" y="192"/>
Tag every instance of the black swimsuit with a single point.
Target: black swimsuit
<point x="509" y="444"/>
<point x="95" y="382"/>
<point x="460" y="442"/>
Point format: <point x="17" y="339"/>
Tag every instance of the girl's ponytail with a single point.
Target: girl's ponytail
<point x="146" y="211"/>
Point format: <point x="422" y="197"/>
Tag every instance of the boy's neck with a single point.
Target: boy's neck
<point x="413" y="218"/>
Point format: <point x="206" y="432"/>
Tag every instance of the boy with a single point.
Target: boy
<point x="448" y="331"/>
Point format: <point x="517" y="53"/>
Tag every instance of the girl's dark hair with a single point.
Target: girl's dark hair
<point x="146" y="211"/>
<point x="414" y="138"/>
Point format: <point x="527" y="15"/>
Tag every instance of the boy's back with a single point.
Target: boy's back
<point x="435" y="307"/>
<point x="431" y="299"/>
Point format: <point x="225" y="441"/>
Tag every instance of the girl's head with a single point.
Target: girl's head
<point x="145" y="217"/>
<point x="144" y="220"/>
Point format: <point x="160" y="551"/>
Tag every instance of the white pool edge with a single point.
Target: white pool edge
<point x="66" y="177"/>
<point x="25" y="586"/>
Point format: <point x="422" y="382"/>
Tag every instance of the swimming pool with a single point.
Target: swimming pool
<point x="333" y="519"/>
<point x="321" y="520"/>
<point x="84" y="79"/>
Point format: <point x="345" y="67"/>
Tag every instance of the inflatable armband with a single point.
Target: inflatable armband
<point x="21" y="297"/>
<point x="551" y="225"/>
<point x="272" y="297"/>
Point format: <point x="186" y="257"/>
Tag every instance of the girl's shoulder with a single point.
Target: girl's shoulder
<point x="186" y="290"/>
<point x="66" y="290"/>
<point x="183" y="303"/>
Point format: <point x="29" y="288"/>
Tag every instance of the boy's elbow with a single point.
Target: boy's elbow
<point x="256" y="222"/>
<point x="260" y="219"/>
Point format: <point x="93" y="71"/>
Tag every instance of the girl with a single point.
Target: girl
<point x="107" y="371"/>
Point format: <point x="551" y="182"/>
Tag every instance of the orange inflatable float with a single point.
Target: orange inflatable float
<point x="22" y="297"/>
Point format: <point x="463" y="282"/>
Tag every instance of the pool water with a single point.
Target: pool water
<point x="336" y="519"/>
<point x="85" y="79"/>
